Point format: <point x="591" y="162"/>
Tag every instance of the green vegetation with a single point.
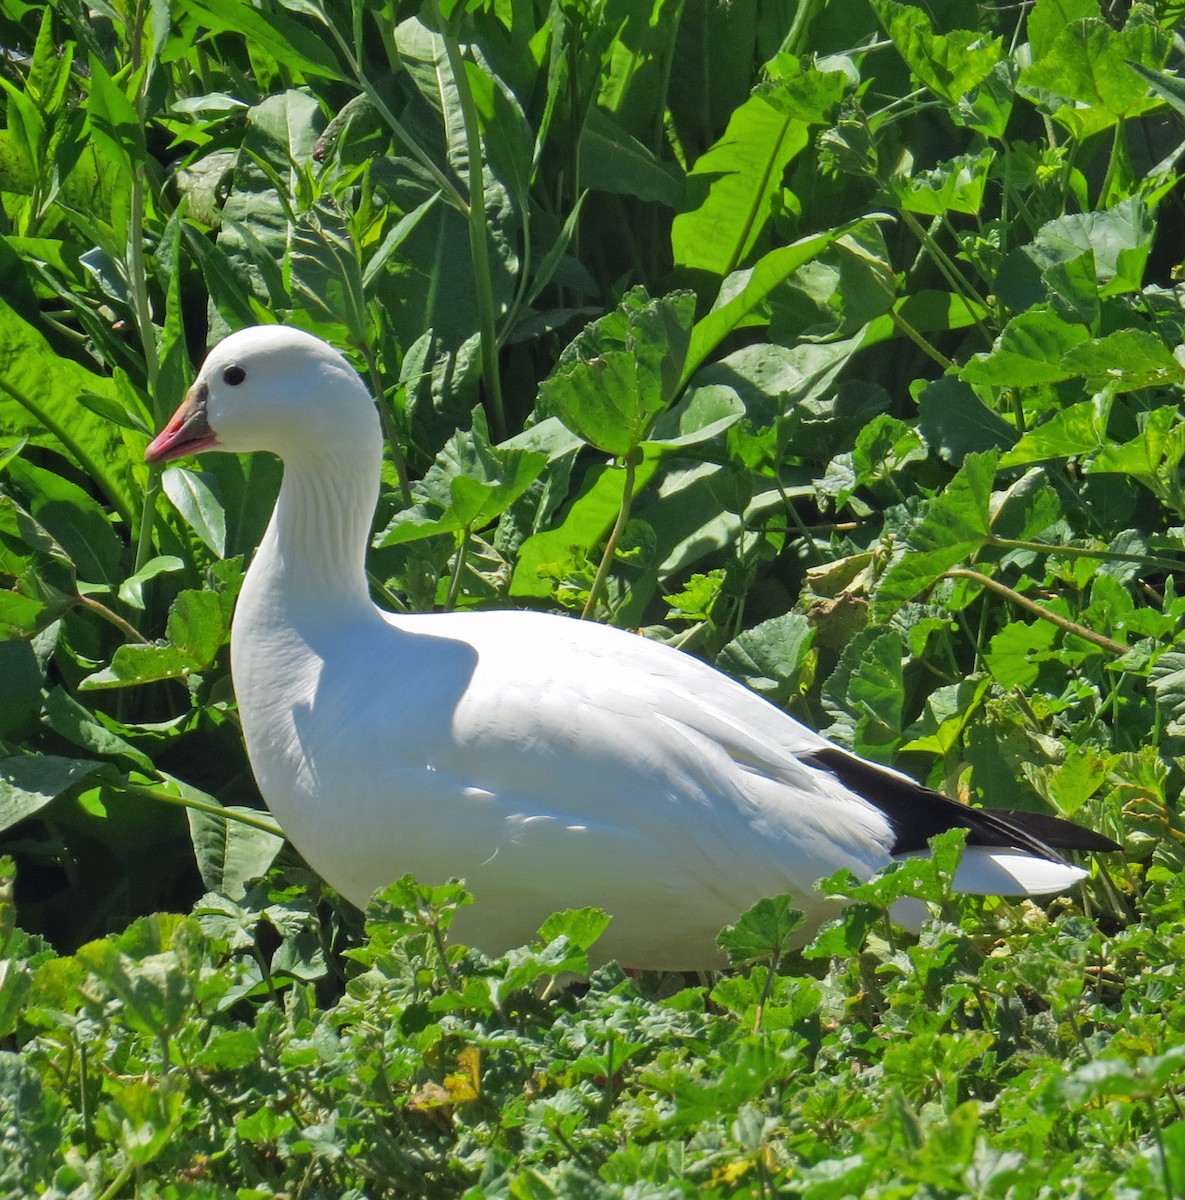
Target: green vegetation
<point x="837" y="343"/>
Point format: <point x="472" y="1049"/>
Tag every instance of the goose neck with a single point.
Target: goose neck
<point x="315" y="547"/>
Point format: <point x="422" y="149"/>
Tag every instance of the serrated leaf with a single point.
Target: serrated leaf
<point x="769" y="657"/>
<point x="1029" y="351"/>
<point x="763" y="933"/>
<point x="951" y="527"/>
<point x="622" y="371"/>
<point x="1015" y="654"/>
<point x="1078" y="429"/>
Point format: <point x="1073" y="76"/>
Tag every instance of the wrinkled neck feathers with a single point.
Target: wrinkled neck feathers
<point x="312" y="560"/>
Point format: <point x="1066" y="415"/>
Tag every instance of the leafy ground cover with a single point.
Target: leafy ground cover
<point x="837" y="343"/>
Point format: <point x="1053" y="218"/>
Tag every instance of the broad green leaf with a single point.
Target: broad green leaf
<point x="764" y="933"/>
<point x="950" y="65"/>
<point x="76" y="522"/>
<point x="956" y="185"/>
<point x="951" y="527"/>
<point x="1078" y="429"/>
<point x="956" y="422"/>
<point x="732" y="187"/>
<point x="622" y="371"/>
<point x="23" y="675"/>
<point x="136" y="664"/>
<point x="770" y="657"/>
<point x="865" y="693"/>
<point x="38" y="400"/>
<point x="848" y="285"/>
<point x="1015" y="654"/>
<point x="229" y="853"/>
<point x="131" y="591"/>
<point x="470" y="485"/>
<point x="1048" y="18"/>
<point x="1119" y="239"/>
<point x="1029" y="352"/>
<point x="29" y="782"/>
<point x="611" y="160"/>
<point x="292" y="45"/>
<point x="1087" y="65"/>
<point x="192" y="496"/>
<point x="586" y="525"/>
<point x="156" y="990"/>
<point x="702" y="413"/>
<point x="325" y="273"/>
<point x="741" y="295"/>
<point x="1167" y="680"/>
<point x="581" y="926"/>
<point x="1125" y="361"/>
<point x="1152" y="458"/>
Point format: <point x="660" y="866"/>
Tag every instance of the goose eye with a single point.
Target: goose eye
<point x="234" y="375"/>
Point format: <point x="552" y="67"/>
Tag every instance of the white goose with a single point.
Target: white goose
<point x="551" y="763"/>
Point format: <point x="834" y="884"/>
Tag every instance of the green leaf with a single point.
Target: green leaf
<point x="191" y="494"/>
<point x="585" y="525"/>
<point x="75" y="521"/>
<point x="1015" y="654"/>
<point x="950" y="65"/>
<point x="581" y="926"/>
<point x="764" y="933"/>
<point x="1028" y="352"/>
<point x="1078" y="429"/>
<point x="622" y="371"/>
<point x="38" y="400"/>
<point x="951" y="527"/>
<point x="866" y="692"/>
<point x="29" y="782"/>
<point x="292" y="45"/>
<point x="131" y="591"/>
<point x="848" y="286"/>
<point x="469" y="486"/>
<point x="1125" y="361"/>
<point x="956" y="185"/>
<point x="1152" y="458"/>
<point x="1087" y="64"/>
<point x="611" y="160"/>
<point x="770" y="657"/>
<point x="1119" y="239"/>
<point x="229" y="853"/>
<point x="956" y="422"/>
<point x="1167" y="680"/>
<point x="742" y="295"/>
<point x="732" y="187"/>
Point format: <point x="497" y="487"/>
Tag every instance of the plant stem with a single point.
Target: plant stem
<point x="454" y="586"/>
<point x="266" y="823"/>
<point x="101" y="610"/>
<point x="623" y="515"/>
<point x="922" y="343"/>
<point x="376" y="386"/>
<point x="957" y="280"/>
<point x="1164" y="564"/>
<point x="1067" y="626"/>
<point x="125" y="1173"/>
<point x="479" y="247"/>
<point x="442" y="181"/>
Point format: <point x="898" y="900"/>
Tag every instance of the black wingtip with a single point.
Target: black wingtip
<point x="916" y="813"/>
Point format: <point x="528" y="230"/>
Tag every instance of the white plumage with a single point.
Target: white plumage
<point x="551" y="763"/>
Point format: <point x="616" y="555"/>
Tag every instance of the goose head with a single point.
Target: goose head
<point x="272" y="388"/>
